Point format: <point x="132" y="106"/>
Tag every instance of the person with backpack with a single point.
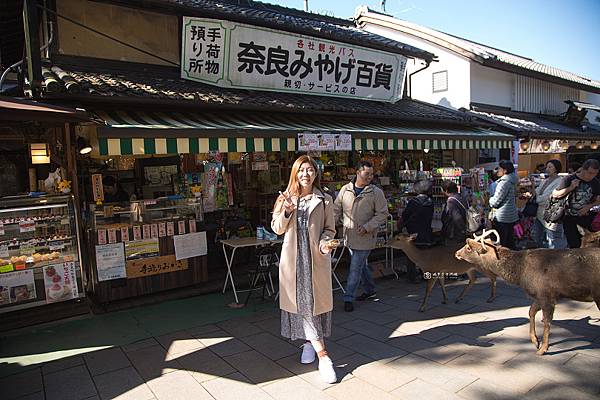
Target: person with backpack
<point x="454" y="215"/>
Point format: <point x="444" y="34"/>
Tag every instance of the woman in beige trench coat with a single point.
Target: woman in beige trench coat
<point x="304" y="214"/>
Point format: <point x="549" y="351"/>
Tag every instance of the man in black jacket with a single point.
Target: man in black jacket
<point x="417" y="219"/>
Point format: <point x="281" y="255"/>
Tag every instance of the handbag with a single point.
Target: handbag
<point x="555" y="209"/>
<point x="531" y="208"/>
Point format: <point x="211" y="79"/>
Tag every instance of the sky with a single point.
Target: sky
<point x="560" y="33"/>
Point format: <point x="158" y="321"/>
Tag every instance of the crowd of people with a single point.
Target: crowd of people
<point x="307" y="217"/>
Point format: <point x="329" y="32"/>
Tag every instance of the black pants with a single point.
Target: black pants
<point x="570" y="227"/>
<point x="506" y="232"/>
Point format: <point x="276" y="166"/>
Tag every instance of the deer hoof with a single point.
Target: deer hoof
<point x="541" y="351"/>
<point x="535" y="342"/>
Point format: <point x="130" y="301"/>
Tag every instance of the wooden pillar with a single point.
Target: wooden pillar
<point x="32" y="46"/>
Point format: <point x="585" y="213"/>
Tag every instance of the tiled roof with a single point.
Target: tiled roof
<point x="281" y="18"/>
<point x="483" y="54"/>
<point x="162" y="85"/>
<point x="535" y="125"/>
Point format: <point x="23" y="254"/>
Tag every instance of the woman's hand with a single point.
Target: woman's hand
<point x="289" y="203"/>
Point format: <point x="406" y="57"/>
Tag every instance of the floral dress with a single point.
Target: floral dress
<point x="304" y="325"/>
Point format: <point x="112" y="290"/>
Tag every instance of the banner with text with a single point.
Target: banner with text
<point x="230" y="54"/>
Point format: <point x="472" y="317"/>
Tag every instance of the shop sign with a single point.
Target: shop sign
<point x="260" y="166"/>
<point x="60" y="282"/>
<point x="154" y="266"/>
<point x="230" y="54"/>
<point x="110" y="261"/>
<point x="190" y="245"/>
<point x="16" y="287"/>
<point x="308" y="141"/>
<point x="142" y="248"/>
<point x="544" y="146"/>
<point x="97" y="188"/>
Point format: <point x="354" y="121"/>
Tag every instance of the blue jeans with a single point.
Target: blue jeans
<point x="359" y="269"/>
<point x="555" y="239"/>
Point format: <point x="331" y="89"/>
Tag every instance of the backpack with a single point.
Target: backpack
<point x="473" y="217"/>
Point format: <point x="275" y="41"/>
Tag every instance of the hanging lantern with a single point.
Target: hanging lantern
<point x="39" y="153"/>
<point x="545" y="145"/>
<point x="579" y="145"/>
<point x="594" y="145"/>
<point x="524" y="145"/>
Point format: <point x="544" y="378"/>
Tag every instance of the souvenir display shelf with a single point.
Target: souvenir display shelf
<point x="39" y="252"/>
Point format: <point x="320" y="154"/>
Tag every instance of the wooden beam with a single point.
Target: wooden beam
<point x="32" y="46"/>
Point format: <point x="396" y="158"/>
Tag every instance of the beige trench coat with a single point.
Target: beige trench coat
<point x="321" y="229"/>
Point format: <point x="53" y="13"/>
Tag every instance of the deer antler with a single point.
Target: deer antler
<point x="481" y="238"/>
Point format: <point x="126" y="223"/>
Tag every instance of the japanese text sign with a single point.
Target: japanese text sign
<point x="229" y="54"/>
<point x="154" y="266"/>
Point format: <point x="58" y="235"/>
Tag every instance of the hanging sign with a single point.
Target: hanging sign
<point x="230" y="54"/>
<point x="308" y="141"/>
<point x="97" y="188"/>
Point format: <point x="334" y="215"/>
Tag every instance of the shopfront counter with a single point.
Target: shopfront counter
<point x="146" y="246"/>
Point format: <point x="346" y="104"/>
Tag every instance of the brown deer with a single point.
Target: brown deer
<point x="546" y="275"/>
<point x="438" y="261"/>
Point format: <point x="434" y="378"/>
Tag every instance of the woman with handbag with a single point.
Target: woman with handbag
<point x="304" y="214"/>
<point x="549" y="233"/>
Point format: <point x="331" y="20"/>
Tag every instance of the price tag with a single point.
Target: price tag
<point x="27" y="249"/>
<point x="170" y="228"/>
<point x="137" y="232"/>
<point x="147" y="232"/>
<point x="181" y="227"/>
<point x="26" y="226"/>
<point x="162" y="229"/>
<point x="154" y="230"/>
<point x="125" y="234"/>
<point x="112" y="236"/>
<point x="6" y="268"/>
<point x="4" y="251"/>
<point x="192" y="225"/>
<point x="101" y="236"/>
<point x="57" y="245"/>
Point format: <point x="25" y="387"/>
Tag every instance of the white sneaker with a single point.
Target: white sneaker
<point x="326" y="370"/>
<point x="308" y="354"/>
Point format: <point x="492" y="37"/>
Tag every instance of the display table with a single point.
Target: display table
<point x="230" y="246"/>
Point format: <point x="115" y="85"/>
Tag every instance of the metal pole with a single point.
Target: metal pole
<point x="306" y="5"/>
<point x="32" y="45"/>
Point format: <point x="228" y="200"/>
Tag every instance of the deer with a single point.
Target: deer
<point x="438" y="261"/>
<point x="541" y="273"/>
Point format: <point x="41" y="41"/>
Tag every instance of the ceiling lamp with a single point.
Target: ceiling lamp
<point x="594" y="145"/>
<point x="39" y="153"/>
<point x="545" y="145"/>
<point x="579" y="145"/>
<point x="564" y="145"/>
<point x="83" y="146"/>
<point x="524" y="144"/>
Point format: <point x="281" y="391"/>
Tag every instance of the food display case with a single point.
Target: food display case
<point x="146" y="246"/>
<point x="40" y="257"/>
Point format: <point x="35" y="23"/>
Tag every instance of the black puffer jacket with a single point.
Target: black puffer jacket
<point x="417" y="218"/>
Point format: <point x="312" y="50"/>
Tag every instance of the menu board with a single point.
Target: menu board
<point x="110" y="261"/>
<point x="60" y="282"/>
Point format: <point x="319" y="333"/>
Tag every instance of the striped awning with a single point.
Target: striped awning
<point x="180" y="132"/>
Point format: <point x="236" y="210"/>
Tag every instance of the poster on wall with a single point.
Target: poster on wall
<point x="16" y="287"/>
<point x="307" y="141"/>
<point x="343" y="142"/>
<point x="110" y="261"/>
<point x="60" y="282"/>
<point x="190" y="245"/>
<point x="142" y="248"/>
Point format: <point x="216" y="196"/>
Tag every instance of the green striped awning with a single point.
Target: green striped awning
<point x="132" y="132"/>
<point x="431" y="144"/>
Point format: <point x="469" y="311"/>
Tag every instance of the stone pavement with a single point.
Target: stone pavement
<point x="385" y="349"/>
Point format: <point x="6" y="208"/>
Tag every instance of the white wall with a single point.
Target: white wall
<point x="458" y="94"/>
<point x="491" y="86"/>
<point x="593" y="98"/>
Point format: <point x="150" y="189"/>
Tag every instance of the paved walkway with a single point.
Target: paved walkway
<point x="385" y="349"/>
